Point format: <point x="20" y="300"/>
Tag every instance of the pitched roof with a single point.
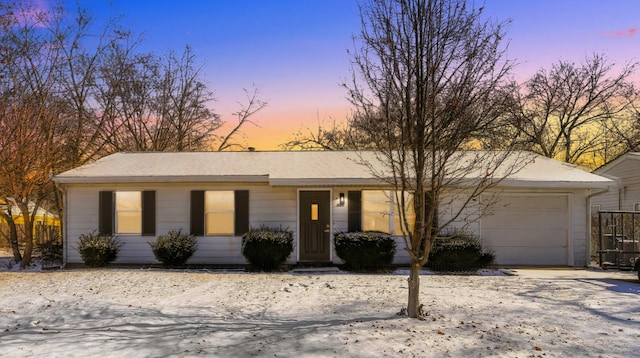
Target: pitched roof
<point x="295" y="168"/>
<point x="603" y="170"/>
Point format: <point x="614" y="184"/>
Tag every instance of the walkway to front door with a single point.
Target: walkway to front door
<point x="315" y="226"/>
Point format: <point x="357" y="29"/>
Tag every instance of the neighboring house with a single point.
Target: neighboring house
<point x="625" y="170"/>
<point x="616" y="226"/>
<point x="46" y="224"/>
<point x="540" y="219"/>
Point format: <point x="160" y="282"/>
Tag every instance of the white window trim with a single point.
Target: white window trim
<point x="116" y="213"/>
<point x="206" y="228"/>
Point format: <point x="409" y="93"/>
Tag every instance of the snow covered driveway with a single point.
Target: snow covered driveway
<point x="160" y="313"/>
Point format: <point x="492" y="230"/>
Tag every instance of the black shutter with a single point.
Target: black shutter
<point x="355" y="211"/>
<point x="197" y="212"/>
<point x="148" y="213"/>
<point x="242" y="212"/>
<point x="105" y="212"/>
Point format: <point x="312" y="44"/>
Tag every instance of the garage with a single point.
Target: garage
<point x="528" y="230"/>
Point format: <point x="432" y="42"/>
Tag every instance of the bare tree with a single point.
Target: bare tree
<point x="336" y="136"/>
<point x="79" y="85"/>
<point x="244" y="114"/>
<point x="575" y="113"/>
<point x="426" y="84"/>
<point x="153" y="104"/>
<point x="622" y="135"/>
<point x="32" y="113"/>
<point x="12" y="234"/>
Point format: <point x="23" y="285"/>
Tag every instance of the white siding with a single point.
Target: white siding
<point x="267" y="205"/>
<point x="80" y="217"/>
<point x="627" y="170"/>
<point x="271" y="206"/>
<point x="579" y="255"/>
<point x="606" y="201"/>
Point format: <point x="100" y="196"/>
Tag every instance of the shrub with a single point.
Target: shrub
<point x="98" y="250"/>
<point x="51" y="251"/>
<point x="267" y="248"/>
<point x="458" y="251"/>
<point x="174" y="248"/>
<point x="369" y="250"/>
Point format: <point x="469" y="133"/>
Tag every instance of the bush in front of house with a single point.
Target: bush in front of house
<point x="458" y="251"/>
<point x="174" y="248"/>
<point x="51" y="251"/>
<point x="98" y="250"/>
<point x="267" y="248"/>
<point x="365" y="251"/>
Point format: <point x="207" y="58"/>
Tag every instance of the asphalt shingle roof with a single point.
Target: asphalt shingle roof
<point x="295" y="168"/>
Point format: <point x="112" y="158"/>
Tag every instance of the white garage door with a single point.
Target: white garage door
<point x="528" y="230"/>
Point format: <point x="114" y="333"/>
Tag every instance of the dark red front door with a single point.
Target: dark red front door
<point x="315" y="226"/>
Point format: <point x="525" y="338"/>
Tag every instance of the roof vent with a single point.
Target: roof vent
<point x="252" y="149"/>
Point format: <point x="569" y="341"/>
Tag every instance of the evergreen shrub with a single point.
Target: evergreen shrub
<point x="267" y="248"/>
<point x="98" y="250"/>
<point x="458" y="251"/>
<point x="365" y="251"/>
<point x="174" y="248"/>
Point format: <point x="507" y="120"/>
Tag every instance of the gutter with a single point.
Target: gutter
<point x="163" y="179"/>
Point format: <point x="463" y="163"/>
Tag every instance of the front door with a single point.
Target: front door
<point x="315" y="226"/>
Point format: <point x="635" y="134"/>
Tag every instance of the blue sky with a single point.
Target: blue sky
<point x="295" y="51"/>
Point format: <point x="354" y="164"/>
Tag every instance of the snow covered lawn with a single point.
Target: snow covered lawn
<point x="153" y="313"/>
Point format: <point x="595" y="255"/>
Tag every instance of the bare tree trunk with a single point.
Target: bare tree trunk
<point x="413" y="306"/>
<point x="28" y="235"/>
<point x="13" y="240"/>
<point x="13" y="236"/>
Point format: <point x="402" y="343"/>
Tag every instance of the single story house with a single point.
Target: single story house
<point x="46" y="224"/>
<point x="541" y="217"/>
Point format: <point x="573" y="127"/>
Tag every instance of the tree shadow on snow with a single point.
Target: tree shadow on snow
<point x="102" y="329"/>
<point x="558" y="292"/>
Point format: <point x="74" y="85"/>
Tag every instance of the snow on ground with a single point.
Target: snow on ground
<point x="159" y="313"/>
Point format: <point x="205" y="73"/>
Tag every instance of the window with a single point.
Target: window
<point x="376" y="211"/>
<point x="381" y="211"/>
<point x="219" y="213"/>
<point x="127" y="213"/>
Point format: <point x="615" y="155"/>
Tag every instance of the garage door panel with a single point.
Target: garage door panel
<point x="531" y="203"/>
<point x="549" y="238"/>
<point x="532" y="220"/>
<point x="528" y="230"/>
<point x="532" y="256"/>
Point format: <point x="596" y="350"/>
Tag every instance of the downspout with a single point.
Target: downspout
<point x="588" y="205"/>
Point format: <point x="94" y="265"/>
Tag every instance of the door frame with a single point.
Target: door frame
<point x="298" y="229"/>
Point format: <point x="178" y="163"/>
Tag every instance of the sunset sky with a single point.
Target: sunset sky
<point x="295" y="51"/>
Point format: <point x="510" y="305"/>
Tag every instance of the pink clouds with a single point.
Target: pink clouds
<point x="622" y="33"/>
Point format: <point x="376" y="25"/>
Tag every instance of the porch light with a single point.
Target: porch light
<point x="341" y="200"/>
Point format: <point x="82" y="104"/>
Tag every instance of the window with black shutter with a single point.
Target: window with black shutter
<point x="127" y="213"/>
<point x="219" y="212"/>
